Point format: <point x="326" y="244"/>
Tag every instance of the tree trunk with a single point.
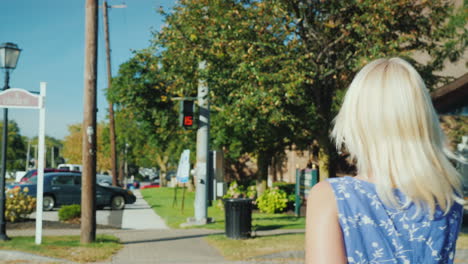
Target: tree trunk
<point x="162" y="178"/>
<point x="190" y="185"/>
<point x="274" y="168"/>
<point x="162" y="163"/>
<point x="263" y="161"/>
<point x="327" y="160"/>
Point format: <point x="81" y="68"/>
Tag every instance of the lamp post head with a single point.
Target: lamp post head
<point x="9" y="54"/>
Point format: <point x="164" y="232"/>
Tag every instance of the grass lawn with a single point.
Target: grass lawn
<point x="66" y="247"/>
<point x="248" y="248"/>
<point x="161" y="200"/>
<point x="462" y="241"/>
<point x="259" y="246"/>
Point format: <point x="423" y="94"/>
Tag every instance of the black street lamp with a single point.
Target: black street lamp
<point x="9" y="54"/>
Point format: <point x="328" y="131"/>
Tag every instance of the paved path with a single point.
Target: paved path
<point x="159" y="246"/>
<point x="135" y="216"/>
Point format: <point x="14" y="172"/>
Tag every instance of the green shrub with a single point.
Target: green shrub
<point x="69" y="212"/>
<point x="251" y="192"/>
<point x="19" y="205"/>
<point x="234" y="191"/>
<point x="289" y="188"/>
<point x="272" y="201"/>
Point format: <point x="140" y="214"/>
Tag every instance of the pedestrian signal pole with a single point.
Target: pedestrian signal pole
<point x="203" y="132"/>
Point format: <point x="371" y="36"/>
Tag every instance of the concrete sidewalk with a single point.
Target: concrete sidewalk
<point x="170" y="246"/>
<point x="135" y="216"/>
<point x="159" y="246"/>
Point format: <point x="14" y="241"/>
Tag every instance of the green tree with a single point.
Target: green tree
<point x="51" y="144"/>
<point x="73" y="146"/>
<point x="338" y="37"/>
<point x="252" y="72"/>
<point x="16" y="149"/>
<point x="277" y="69"/>
<point x="147" y="118"/>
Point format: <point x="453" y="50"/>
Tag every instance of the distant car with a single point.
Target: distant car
<point x="70" y="167"/>
<point x="63" y="188"/>
<point x="154" y="184"/>
<point x="151" y="185"/>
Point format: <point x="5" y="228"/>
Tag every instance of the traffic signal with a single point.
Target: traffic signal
<point x="186" y="113"/>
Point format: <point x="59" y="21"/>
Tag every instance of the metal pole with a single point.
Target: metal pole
<point x="35" y="156"/>
<point x="3" y="235"/>
<point x="27" y="155"/>
<point x="126" y="163"/>
<point x="41" y="165"/>
<point x="202" y="150"/>
<point x="297" y="205"/>
<point x="88" y="192"/>
<point x="52" y="157"/>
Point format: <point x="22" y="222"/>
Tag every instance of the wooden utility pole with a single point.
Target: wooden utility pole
<point x="111" y="105"/>
<point x="88" y="179"/>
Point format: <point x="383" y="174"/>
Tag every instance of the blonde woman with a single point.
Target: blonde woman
<point x="403" y="207"/>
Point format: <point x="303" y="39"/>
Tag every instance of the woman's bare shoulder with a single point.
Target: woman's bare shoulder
<point x="321" y="194"/>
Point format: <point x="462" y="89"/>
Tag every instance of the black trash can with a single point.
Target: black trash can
<point x="238" y="217"/>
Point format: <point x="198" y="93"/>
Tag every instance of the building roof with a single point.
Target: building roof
<point x="452" y="98"/>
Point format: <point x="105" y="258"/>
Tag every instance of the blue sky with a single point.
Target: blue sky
<point x="51" y="36"/>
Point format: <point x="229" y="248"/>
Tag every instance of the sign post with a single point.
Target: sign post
<point x="183" y="173"/>
<point x="183" y="170"/>
<point x="305" y="180"/>
<point x="20" y="98"/>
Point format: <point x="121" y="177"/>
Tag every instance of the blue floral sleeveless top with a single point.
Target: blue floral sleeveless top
<point x="376" y="233"/>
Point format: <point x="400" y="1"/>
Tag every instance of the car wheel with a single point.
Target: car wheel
<point x="100" y="207"/>
<point x="48" y="203"/>
<point x="118" y="202"/>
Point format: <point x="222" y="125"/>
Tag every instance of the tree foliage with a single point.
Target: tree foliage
<point x="16" y="148"/>
<point x="337" y="38"/>
<point x="276" y="69"/>
<point x="73" y="146"/>
<point x="252" y="72"/>
<point x="147" y="118"/>
<point x="51" y="144"/>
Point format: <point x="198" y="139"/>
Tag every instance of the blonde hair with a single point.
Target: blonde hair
<point x="389" y="126"/>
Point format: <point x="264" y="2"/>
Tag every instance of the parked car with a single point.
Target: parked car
<point x="63" y="188"/>
<point x="104" y="180"/>
<point x="33" y="172"/>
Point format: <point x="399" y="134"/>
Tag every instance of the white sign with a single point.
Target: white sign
<point x="20" y="98"/>
<point x="40" y="167"/>
<point x="183" y="171"/>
